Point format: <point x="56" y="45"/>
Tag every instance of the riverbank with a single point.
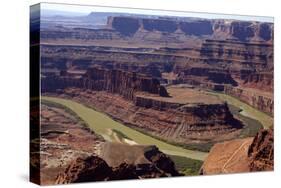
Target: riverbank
<point x="246" y="110"/>
<point x="100" y="123"/>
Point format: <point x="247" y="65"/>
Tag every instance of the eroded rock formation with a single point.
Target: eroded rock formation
<point x="113" y="81"/>
<point x="239" y="30"/>
<point x="234" y="57"/>
<point x="153" y="165"/>
<point x="242" y="155"/>
<point x="151" y="30"/>
<point x="262" y="101"/>
<point x="89" y="169"/>
<point x="261" y="151"/>
<point x="216" y="65"/>
<point x="172" y="121"/>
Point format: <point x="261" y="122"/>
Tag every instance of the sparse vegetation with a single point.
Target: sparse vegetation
<point x="187" y="166"/>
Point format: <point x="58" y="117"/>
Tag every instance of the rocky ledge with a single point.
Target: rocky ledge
<point x="242" y="155"/>
<point x="129" y="162"/>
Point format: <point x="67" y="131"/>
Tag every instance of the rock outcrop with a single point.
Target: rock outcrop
<point x="261" y="151"/>
<point x="89" y="169"/>
<point x="153" y="164"/>
<point x="148" y="160"/>
<point x="242" y="155"/>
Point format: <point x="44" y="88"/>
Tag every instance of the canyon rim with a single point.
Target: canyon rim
<point x="118" y="94"/>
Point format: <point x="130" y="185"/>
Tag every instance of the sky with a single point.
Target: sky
<point x="65" y="9"/>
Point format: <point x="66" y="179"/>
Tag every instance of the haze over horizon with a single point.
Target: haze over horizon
<point x="52" y="9"/>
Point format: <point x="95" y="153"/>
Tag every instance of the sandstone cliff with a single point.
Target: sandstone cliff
<point x="242" y="155"/>
<point x="114" y="81"/>
<point x="239" y="30"/>
<point x="175" y="122"/>
<point x="263" y="102"/>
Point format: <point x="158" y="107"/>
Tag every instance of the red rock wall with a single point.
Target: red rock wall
<point x="262" y="103"/>
<point x="114" y="81"/>
<point x="262" y="81"/>
<point x="238" y="30"/>
<point x="170" y="121"/>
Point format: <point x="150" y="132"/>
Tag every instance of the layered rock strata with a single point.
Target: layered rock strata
<point x="141" y="102"/>
<point x="235" y="57"/>
<point x="113" y="81"/>
<point x="214" y="64"/>
<point x="261" y="101"/>
<point x="175" y="122"/>
<point x="129" y="26"/>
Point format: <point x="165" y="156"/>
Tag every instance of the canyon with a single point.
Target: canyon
<point x="157" y="75"/>
<point x="235" y="57"/>
<point x="180" y="115"/>
<point x="71" y="152"/>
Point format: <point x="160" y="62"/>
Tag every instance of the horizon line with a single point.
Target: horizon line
<point x="87" y="9"/>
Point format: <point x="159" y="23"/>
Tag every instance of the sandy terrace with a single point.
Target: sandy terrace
<point x="185" y="94"/>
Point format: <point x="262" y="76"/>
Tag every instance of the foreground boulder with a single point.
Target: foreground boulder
<point x="161" y="161"/>
<point x="91" y="168"/>
<point x="119" y="162"/>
